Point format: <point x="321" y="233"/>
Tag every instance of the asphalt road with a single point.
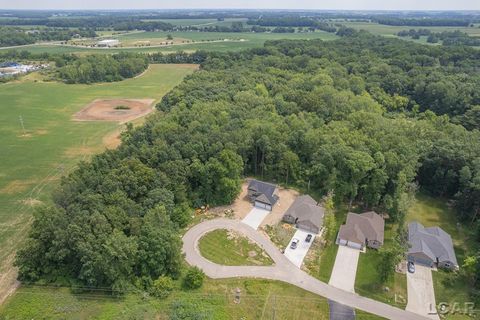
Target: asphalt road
<point x="282" y="270"/>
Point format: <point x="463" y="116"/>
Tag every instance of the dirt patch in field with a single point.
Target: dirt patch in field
<point x="16" y="186"/>
<point x="121" y="110"/>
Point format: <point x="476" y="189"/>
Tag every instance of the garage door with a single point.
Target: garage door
<point x="263" y="205"/>
<point x="354" y="245"/>
<point x="342" y="242"/>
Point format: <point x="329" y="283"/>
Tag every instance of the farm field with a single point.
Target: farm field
<point x="32" y="163"/>
<point x="212" y="41"/>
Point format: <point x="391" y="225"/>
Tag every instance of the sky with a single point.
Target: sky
<point x="245" y="4"/>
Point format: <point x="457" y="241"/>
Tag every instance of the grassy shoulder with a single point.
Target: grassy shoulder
<point x="229" y="248"/>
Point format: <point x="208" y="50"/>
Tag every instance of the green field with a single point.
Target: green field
<point x="213" y="41"/>
<point x="32" y="164"/>
<point x="231" y="249"/>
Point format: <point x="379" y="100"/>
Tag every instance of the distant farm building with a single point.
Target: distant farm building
<point x="108" y="43"/>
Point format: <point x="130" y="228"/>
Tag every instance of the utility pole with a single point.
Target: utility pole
<point x="23" y="126"/>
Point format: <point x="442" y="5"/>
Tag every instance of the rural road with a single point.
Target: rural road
<point x="283" y="270"/>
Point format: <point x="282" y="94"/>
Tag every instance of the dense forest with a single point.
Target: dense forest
<point x="367" y="117"/>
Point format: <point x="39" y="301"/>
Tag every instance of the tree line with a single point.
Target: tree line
<point x="448" y="38"/>
<point x="14" y="36"/>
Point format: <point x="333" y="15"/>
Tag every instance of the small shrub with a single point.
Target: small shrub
<point x="194" y="278"/>
<point x="162" y="287"/>
<point x="122" y="107"/>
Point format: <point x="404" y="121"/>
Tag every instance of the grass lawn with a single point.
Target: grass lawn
<point x="31" y="165"/>
<point x="367" y="282"/>
<point x="232" y="249"/>
<point x="434" y="212"/>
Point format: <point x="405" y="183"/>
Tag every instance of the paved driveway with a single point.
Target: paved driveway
<point x="340" y="312"/>
<point x="297" y="255"/>
<point x="255" y="217"/>
<point x="345" y="269"/>
<point x="421" y="297"/>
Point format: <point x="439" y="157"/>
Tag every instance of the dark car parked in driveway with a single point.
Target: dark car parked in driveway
<point x="411" y="267"/>
<point x="308" y="238"/>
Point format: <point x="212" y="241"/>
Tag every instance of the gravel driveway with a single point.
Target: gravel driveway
<point x="345" y="269"/>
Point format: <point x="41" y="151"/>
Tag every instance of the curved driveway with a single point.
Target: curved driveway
<point x="282" y="270"/>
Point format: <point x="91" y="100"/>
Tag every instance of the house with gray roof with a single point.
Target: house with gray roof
<point x="430" y="247"/>
<point x="360" y="230"/>
<point x="262" y="194"/>
<point x="306" y="214"/>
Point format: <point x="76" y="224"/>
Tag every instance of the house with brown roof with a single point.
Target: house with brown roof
<point x="306" y="214"/>
<point x="360" y="230"/>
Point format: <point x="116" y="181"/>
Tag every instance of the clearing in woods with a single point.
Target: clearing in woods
<point x="32" y="162"/>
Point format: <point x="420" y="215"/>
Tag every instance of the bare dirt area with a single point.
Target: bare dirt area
<point x="121" y="110"/>
<point x="242" y="205"/>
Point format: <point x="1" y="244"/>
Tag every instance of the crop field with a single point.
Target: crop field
<point x="33" y="159"/>
<point x="213" y="41"/>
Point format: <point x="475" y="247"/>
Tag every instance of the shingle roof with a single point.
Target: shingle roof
<point x="265" y="189"/>
<point x="305" y="208"/>
<point x="359" y="227"/>
<point x="432" y="241"/>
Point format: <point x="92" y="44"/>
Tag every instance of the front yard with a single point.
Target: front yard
<point x="232" y="249"/>
<point x="368" y="282"/>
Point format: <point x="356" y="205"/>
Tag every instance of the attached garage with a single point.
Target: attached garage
<point x="262" y="205"/>
<point x="354" y="245"/>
